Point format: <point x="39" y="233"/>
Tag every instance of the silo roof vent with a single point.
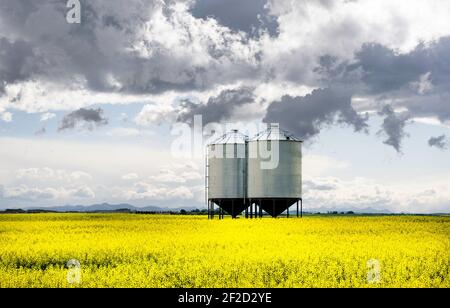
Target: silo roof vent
<point x="273" y="132"/>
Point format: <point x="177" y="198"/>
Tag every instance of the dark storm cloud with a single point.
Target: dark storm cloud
<point x="117" y="49"/>
<point x="417" y="81"/>
<point x="110" y="52"/>
<point x="249" y="16"/>
<point x="217" y="108"/>
<point x="92" y="117"/>
<point x="305" y="116"/>
<point x="393" y="127"/>
<point x="16" y="61"/>
<point x="385" y="70"/>
<point x="440" y="142"/>
<point x="436" y="105"/>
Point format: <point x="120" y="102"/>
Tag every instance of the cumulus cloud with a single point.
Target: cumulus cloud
<point x="127" y="132"/>
<point x="147" y="191"/>
<point x="417" y="80"/>
<point x="83" y="192"/>
<point x="217" y="108"/>
<point x="142" y="48"/>
<point x="332" y="193"/>
<point x="250" y="16"/>
<point x="17" y="61"/>
<point x="439" y="142"/>
<point x="393" y="127"/>
<point x="38" y="194"/>
<point x="25" y="193"/>
<point x="6" y="116"/>
<point x="178" y="173"/>
<point x="155" y="114"/>
<point x="47" y="116"/>
<point x="49" y="174"/>
<point x="91" y="117"/>
<point x="130" y="176"/>
<point x="172" y="176"/>
<point x="306" y="116"/>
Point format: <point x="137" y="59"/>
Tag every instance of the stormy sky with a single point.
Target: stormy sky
<point x="353" y="79"/>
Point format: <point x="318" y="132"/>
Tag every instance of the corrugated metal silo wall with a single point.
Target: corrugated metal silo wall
<point x="284" y="181"/>
<point x="227" y="174"/>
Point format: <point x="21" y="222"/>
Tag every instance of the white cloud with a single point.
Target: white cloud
<point x="167" y="176"/>
<point x="39" y="194"/>
<point x="47" y="116"/>
<point x="6" y="116"/>
<point x="107" y="161"/>
<point x="155" y="114"/>
<point x="431" y="121"/>
<point x="48" y="174"/>
<point x="105" y="165"/>
<point x="147" y="191"/>
<point x="178" y="173"/>
<point x="424" y="85"/>
<point x="127" y="132"/>
<point x="83" y="192"/>
<point x="130" y="176"/>
<point x="362" y="193"/>
<point x="31" y="194"/>
<point x="42" y="96"/>
<point x="181" y="192"/>
<point x="80" y="175"/>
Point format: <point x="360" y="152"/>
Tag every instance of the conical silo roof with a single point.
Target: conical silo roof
<point x="273" y="132"/>
<point x="232" y="137"/>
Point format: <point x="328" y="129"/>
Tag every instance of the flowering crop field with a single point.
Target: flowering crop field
<point x="127" y="250"/>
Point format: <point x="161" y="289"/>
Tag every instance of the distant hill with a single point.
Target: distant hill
<point x="125" y="207"/>
<point x="367" y="210"/>
<point x="103" y="207"/>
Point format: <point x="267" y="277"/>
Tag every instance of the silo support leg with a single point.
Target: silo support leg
<point x="233" y="214"/>
<point x="209" y="209"/>
<point x="287" y="204"/>
<point x="301" y="208"/>
<point x="297" y="208"/>
<point x="273" y="207"/>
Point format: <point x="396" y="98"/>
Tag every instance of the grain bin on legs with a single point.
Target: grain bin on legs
<point x="227" y="173"/>
<point x="274" y="170"/>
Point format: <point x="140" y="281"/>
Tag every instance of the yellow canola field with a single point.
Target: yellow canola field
<point x="127" y="250"/>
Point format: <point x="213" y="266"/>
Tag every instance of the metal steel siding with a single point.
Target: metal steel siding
<point x="227" y="175"/>
<point x="285" y="181"/>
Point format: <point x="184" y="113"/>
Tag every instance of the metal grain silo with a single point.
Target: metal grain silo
<point x="275" y="170"/>
<point x="227" y="173"/>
